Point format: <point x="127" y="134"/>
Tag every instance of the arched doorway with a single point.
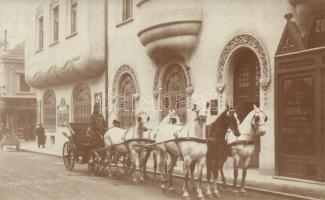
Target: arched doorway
<point x="126" y="101"/>
<point x="173" y="94"/>
<point x="246" y="88"/>
<point x="82" y="104"/>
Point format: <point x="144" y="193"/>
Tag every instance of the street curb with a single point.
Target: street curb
<point x="254" y="189"/>
<point x="249" y="188"/>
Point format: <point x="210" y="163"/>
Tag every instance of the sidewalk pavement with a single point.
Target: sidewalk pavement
<point x="282" y="186"/>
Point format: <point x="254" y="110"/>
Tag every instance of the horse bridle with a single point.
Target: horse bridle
<point x="256" y="126"/>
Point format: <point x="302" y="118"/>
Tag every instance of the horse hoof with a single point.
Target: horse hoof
<point x="187" y="198"/>
<point x="236" y="193"/>
<point x="163" y="188"/>
<point x="172" y="190"/>
<point x="243" y="193"/>
<point x="218" y="196"/>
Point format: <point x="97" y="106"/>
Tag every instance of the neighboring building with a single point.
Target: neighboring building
<point x="159" y="55"/>
<point x="65" y="61"/>
<point x="17" y="99"/>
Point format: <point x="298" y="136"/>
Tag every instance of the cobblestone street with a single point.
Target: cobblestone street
<point x="33" y="176"/>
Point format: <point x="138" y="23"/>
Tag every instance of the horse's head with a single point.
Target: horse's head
<point x="259" y="120"/>
<point x="143" y="120"/>
<point x="201" y="112"/>
<point x="232" y="121"/>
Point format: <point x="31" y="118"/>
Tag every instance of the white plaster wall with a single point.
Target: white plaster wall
<point x="89" y="41"/>
<point x="224" y="20"/>
<point x="221" y="21"/>
<point x="125" y="49"/>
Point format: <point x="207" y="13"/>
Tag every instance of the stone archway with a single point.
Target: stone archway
<point x="250" y="42"/>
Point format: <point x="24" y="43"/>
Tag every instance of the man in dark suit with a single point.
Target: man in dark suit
<point x="40" y="136"/>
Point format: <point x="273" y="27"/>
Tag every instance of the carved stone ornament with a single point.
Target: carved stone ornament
<point x="125" y="69"/>
<point x="255" y="45"/>
<point x="164" y="66"/>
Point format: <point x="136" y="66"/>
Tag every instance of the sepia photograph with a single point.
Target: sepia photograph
<point x="162" y="99"/>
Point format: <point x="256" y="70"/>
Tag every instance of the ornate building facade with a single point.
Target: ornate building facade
<point x="215" y="51"/>
<point x="156" y="56"/>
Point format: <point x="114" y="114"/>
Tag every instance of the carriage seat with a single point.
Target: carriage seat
<point x="81" y="132"/>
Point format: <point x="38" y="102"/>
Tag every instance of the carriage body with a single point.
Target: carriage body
<point x="84" y="148"/>
<point x="80" y="145"/>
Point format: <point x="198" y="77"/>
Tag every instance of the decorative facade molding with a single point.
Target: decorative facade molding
<point x="255" y="45"/>
<point x="125" y="69"/>
<point x="172" y="60"/>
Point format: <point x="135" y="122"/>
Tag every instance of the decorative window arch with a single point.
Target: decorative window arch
<point x="252" y="43"/>
<point x="256" y="46"/>
<point x="126" y="93"/>
<point x="49" y="102"/>
<point x="172" y="85"/>
<point x="81" y="103"/>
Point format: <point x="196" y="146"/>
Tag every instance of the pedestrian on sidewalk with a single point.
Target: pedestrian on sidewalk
<point x="40" y="136"/>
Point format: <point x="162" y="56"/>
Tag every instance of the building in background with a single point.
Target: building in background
<point x="65" y="62"/>
<point x="17" y="99"/>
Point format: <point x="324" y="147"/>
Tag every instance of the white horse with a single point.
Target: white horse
<point x="149" y="137"/>
<point x="127" y="142"/>
<point x="242" y="146"/>
<point x="187" y="142"/>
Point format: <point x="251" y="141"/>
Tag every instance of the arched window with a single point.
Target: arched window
<point x="82" y="104"/>
<point x="126" y="101"/>
<point x="174" y="92"/>
<point x="49" y="103"/>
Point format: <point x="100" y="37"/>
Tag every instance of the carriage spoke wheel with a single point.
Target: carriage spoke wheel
<point x="67" y="155"/>
<point x="127" y="164"/>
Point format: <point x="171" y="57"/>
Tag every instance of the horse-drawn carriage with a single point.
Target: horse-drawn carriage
<point x="85" y="148"/>
<point x="190" y="142"/>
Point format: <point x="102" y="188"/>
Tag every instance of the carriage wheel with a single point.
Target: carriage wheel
<point x="67" y="155"/>
<point x="127" y="164"/>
